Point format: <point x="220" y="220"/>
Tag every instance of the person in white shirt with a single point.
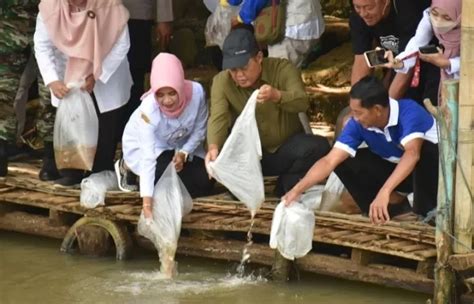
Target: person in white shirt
<point x="443" y="20"/>
<point x="168" y="126"/>
<point x="86" y="40"/>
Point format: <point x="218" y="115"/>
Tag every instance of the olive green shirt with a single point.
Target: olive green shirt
<point x="276" y="121"/>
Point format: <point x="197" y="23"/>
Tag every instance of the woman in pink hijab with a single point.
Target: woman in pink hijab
<point x="169" y="125"/>
<point x="443" y="20"/>
<point x="85" y="41"/>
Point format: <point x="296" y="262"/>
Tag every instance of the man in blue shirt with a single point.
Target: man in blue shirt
<point x="393" y="148"/>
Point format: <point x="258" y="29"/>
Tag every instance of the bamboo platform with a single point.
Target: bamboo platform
<point x="346" y="246"/>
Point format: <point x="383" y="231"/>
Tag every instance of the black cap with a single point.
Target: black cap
<point x="239" y="46"/>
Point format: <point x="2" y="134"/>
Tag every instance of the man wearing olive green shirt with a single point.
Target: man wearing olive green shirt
<point x="287" y="151"/>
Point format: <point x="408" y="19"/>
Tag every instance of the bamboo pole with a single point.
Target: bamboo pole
<point x="463" y="205"/>
<point x="447" y="116"/>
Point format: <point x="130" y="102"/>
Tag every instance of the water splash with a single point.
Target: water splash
<point x="168" y="267"/>
<point x="148" y="283"/>
<point x="245" y="252"/>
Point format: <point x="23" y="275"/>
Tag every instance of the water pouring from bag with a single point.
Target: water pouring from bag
<point x="238" y="167"/>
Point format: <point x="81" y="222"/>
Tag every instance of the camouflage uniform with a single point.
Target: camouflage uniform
<point x="17" y="24"/>
<point x="46" y="115"/>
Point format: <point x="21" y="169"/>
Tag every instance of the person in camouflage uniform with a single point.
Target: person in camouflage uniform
<point x="17" y="26"/>
<point x="44" y="131"/>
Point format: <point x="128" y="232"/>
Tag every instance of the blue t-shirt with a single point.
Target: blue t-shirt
<point x="407" y="121"/>
<point x="250" y="9"/>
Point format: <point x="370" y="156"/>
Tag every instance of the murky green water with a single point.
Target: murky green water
<point x="32" y="270"/>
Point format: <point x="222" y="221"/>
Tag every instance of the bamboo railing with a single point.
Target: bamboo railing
<point x="463" y="200"/>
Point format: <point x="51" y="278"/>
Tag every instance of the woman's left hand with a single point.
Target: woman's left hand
<point x="179" y="160"/>
<point x="436" y="59"/>
<point x="89" y="84"/>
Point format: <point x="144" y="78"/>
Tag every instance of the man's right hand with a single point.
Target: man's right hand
<point x="212" y="153"/>
<point x="291" y="196"/>
<point x="60" y="90"/>
<point x="393" y="63"/>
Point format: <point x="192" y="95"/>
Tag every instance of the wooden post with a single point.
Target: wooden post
<point x="281" y="268"/>
<point x="464" y="180"/>
<point x="447" y="117"/>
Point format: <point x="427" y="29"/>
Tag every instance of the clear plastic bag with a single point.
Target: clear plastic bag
<point x="292" y="230"/>
<point x="171" y="201"/>
<point x="76" y="130"/>
<point x="336" y="198"/>
<point x="218" y="24"/>
<point x="311" y="198"/>
<point x="211" y="5"/>
<point x="238" y="165"/>
<point x="331" y="199"/>
<point x="94" y="188"/>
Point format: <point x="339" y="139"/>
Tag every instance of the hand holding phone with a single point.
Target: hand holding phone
<point x="434" y="55"/>
<point x="429" y="49"/>
<point x="375" y="58"/>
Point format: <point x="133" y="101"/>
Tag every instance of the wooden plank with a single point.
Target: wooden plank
<point x="423" y="235"/>
<point x="74" y="207"/>
<point x="124" y="209"/>
<point x="338" y="234"/>
<point x="40" y="204"/>
<point x="400" y="245"/>
<point x="361" y="257"/>
<point x="194" y="216"/>
<point x="31" y="224"/>
<point x="228" y="227"/>
<point x="229" y="220"/>
<point x="126" y="217"/>
<point x="380" y="243"/>
<point x="32" y="196"/>
<point x="415" y="247"/>
<point x="34" y="184"/>
<point x="223" y="218"/>
<point x="245" y="223"/>
<point x="417" y="256"/>
<point x="428" y="253"/>
<point x="322" y="230"/>
<point x="363" y="238"/>
<point x="356" y="218"/>
<point x="383" y="275"/>
<point x="461" y="262"/>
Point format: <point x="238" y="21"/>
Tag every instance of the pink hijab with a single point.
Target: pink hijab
<point x="452" y="39"/>
<point x="167" y="71"/>
<point x="87" y="36"/>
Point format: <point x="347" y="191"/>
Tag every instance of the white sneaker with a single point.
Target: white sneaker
<point x="122" y="177"/>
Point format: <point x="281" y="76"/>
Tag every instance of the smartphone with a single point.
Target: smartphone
<point x="429" y="49"/>
<point x="375" y="58"/>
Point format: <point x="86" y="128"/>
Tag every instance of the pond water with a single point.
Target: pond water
<point x="32" y="270"/>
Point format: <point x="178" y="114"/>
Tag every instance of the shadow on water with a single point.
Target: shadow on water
<point x="34" y="271"/>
